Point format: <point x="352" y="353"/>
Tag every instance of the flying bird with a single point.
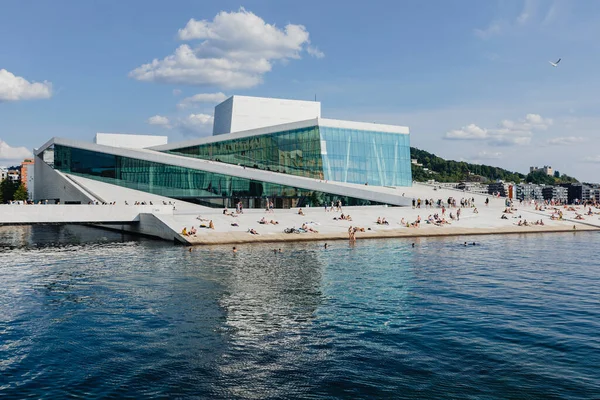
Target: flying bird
<point x="554" y="64"/>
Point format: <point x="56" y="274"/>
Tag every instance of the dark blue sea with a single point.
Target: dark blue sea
<point x="87" y="313"/>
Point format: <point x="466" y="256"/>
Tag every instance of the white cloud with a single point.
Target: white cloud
<point x="315" y="52"/>
<point x="531" y="121"/>
<point x="566" y="140"/>
<point x="14" y="88"/>
<point x="8" y="153"/>
<point x="196" y="124"/>
<point x="469" y="132"/>
<point x="509" y="132"/>
<point x="235" y="51"/>
<point x="202" y="98"/>
<point x="159" y="120"/>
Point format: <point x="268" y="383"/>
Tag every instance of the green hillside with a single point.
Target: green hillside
<point x="457" y="171"/>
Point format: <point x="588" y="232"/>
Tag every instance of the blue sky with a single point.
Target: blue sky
<point x="470" y="78"/>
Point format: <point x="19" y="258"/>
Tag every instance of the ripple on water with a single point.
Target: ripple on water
<point x="515" y="317"/>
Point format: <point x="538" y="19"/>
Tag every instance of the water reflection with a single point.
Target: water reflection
<point x="268" y="292"/>
<point x="34" y="236"/>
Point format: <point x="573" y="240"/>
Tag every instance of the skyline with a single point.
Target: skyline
<point x="472" y="81"/>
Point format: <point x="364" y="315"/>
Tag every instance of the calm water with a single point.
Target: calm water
<point x="104" y="315"/>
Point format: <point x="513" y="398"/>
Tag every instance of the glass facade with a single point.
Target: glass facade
<point x="357" y="156"/>
<point x="320" y="152"/>
<point x="296" y="152"/>
<point x="206" y="188"/>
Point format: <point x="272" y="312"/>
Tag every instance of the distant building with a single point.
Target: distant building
<point x="546" y="169"/>
<point x="578" y="192"/>
<point x="595" y="193"/>
<point x="557" y="193"/>
<point x="529" y="191"/>
<point x="498" y="187"/>
<point x="560" y="194"/>
<point x="3" y="173"/>
<point x="27" y="174"/>
<point x="14" y="174"/>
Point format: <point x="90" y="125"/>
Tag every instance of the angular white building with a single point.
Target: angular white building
<point x="261" y="150"/>
<point x="243" y="113"/>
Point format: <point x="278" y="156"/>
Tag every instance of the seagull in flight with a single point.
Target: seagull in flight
<point x="554" y="64"/>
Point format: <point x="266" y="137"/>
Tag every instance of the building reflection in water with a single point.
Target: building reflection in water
<point x="16" y="236"/>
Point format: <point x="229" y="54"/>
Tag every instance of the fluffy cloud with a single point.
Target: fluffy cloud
<point x="8" y="153"/>
<point x="566" y="140"/>
<point x="235" y="51"/>
<point x="529" y="123"/>
<point x="509" y="132"/>
<point x="195" y="124"/>
<point x="202" y="98"/>
<point x="159" y="120"/>
<point x="469" y="132"/>
<point x="14" y="88"/>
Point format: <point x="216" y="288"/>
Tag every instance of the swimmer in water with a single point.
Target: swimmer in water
<point x="234" y="249"/>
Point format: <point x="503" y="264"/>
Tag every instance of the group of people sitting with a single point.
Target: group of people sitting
<point x="307" y="228"/>
<point x="192" y="231"/>
<point x="343" y="217"/>
<point x="263" y="221"/>
<point x="382" y="221"/>
<point x="557" y="216"/>
<point x="436" y="220"/>
<point x="415" y="224"/>
<point x="525" y="223"/>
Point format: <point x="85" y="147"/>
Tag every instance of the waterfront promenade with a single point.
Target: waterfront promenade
<point x="167" y="221"/>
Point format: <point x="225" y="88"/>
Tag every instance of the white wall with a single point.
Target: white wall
<point x="76" y="213"/>
<point x="240" y="113"/>
<point x="129" y="141"/>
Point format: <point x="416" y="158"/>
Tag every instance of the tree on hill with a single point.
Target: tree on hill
<point x="456" y="171"/>
<point x="539" y="177"/>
